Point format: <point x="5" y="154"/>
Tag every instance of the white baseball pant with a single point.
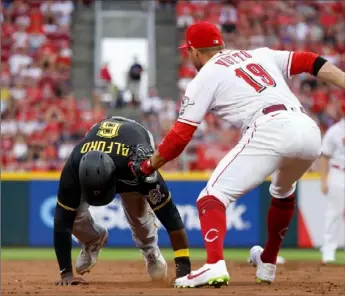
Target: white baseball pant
<point x="282" y="143"/>
<point x="334" y="214"/>
<point x="139" y="215"/>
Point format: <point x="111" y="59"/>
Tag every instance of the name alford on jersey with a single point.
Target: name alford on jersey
<point x="107" y="130"/>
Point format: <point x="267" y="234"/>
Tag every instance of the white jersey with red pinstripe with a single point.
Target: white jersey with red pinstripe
<point x="236" y="85"/>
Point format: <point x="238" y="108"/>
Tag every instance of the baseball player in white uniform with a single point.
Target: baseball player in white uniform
<point x="247" y="89"/>
<point x="333" y="186"/>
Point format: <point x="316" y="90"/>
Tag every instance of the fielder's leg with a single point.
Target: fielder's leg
<point x="297" y="157"/>
<point x="144" y="231"/>
<point x="279" y="216"/>
<point x="333" y="220"/>
<point x="92" y="236"/>
<point x="246" y="166"/>
<point x="257" y="155"/>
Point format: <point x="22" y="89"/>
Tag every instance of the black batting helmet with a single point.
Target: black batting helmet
<point x="97" y="178"/>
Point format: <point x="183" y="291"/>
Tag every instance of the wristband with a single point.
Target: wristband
<point x="319" y="62"/>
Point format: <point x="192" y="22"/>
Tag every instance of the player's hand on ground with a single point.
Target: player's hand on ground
<point x="324" y="187"/>
<point x="69" y="279"/>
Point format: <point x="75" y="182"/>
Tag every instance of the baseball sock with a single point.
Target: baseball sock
<point x="278" y="219"/>
<point x="182" y="262"/>
<point x="212" y="215"/>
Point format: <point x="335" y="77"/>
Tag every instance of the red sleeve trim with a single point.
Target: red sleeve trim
<point x="302" y="62"/>
<point x="188" y="121"/>
<point x="176" y="140"/>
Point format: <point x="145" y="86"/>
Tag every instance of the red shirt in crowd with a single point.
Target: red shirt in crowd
<point x="7" y="29"/>
<point x="105" y="74"/>
<point x="36" y="22"/>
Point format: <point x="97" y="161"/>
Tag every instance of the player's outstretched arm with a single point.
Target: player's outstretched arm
<point x="309" y="62"/>
<point x="332" y="74"/>
<point x="171" y="146"/>
<point x="63" y="225"/>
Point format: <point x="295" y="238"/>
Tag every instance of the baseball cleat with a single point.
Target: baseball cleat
<point x="156" y="265"/>
<point x="265" y="272"/>
<point x="88" y="255"/>
<point x="212" y="275"/>
<point x="328" y="255"/>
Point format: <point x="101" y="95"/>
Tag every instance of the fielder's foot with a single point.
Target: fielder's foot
<point x="156" y="265"/>
<point x="280" y="260"/>
<point x="88" y="255"/>
<point x="265" y="272"/>
<point x="215" y="275"/>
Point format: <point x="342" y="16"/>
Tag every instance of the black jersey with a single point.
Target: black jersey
<point x="113" y="136"/>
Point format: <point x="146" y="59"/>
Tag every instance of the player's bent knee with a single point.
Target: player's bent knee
<point x="279" y="192"/>
<point x="226" y="200"/>
<point x="170" y="217"/>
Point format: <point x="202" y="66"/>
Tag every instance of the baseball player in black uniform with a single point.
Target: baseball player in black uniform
<point x="97" y="170"/>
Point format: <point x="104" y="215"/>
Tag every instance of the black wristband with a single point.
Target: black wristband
<point x="319" y="62"/>
<point x="63" y="224"/>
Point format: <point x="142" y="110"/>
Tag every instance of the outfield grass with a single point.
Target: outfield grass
<point x="134" y="254"/>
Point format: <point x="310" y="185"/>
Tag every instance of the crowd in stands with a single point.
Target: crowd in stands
<point x="40" y="118"/>
<point x="42" y="121"/>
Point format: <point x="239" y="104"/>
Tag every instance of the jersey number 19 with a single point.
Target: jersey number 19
<point x="256" y="76"/>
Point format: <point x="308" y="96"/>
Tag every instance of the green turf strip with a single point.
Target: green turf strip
<point x="134" y="254"/>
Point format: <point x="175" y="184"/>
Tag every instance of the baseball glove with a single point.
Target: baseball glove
<point x="138" y="156"/>
<point x="140" y="152"/>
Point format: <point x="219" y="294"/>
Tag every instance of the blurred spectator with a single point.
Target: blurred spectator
<point x="20" y="37"/>
<point x="165" y="4"/>
<point x="151" y="103"/>
<point x="50" y="25"/>
<point x="134" y="78"/>
<point x="33" y="71"/>
<point x="18" y="92"/>
<point x="228" y="17"/>
<point x="186" y="18"/>
<point x="105" y="74"/>
<point x="19" y="60"/>
<point x="20" y="148"/>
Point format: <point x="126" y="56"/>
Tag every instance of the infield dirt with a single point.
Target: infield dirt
<point x="130" y="278"/>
